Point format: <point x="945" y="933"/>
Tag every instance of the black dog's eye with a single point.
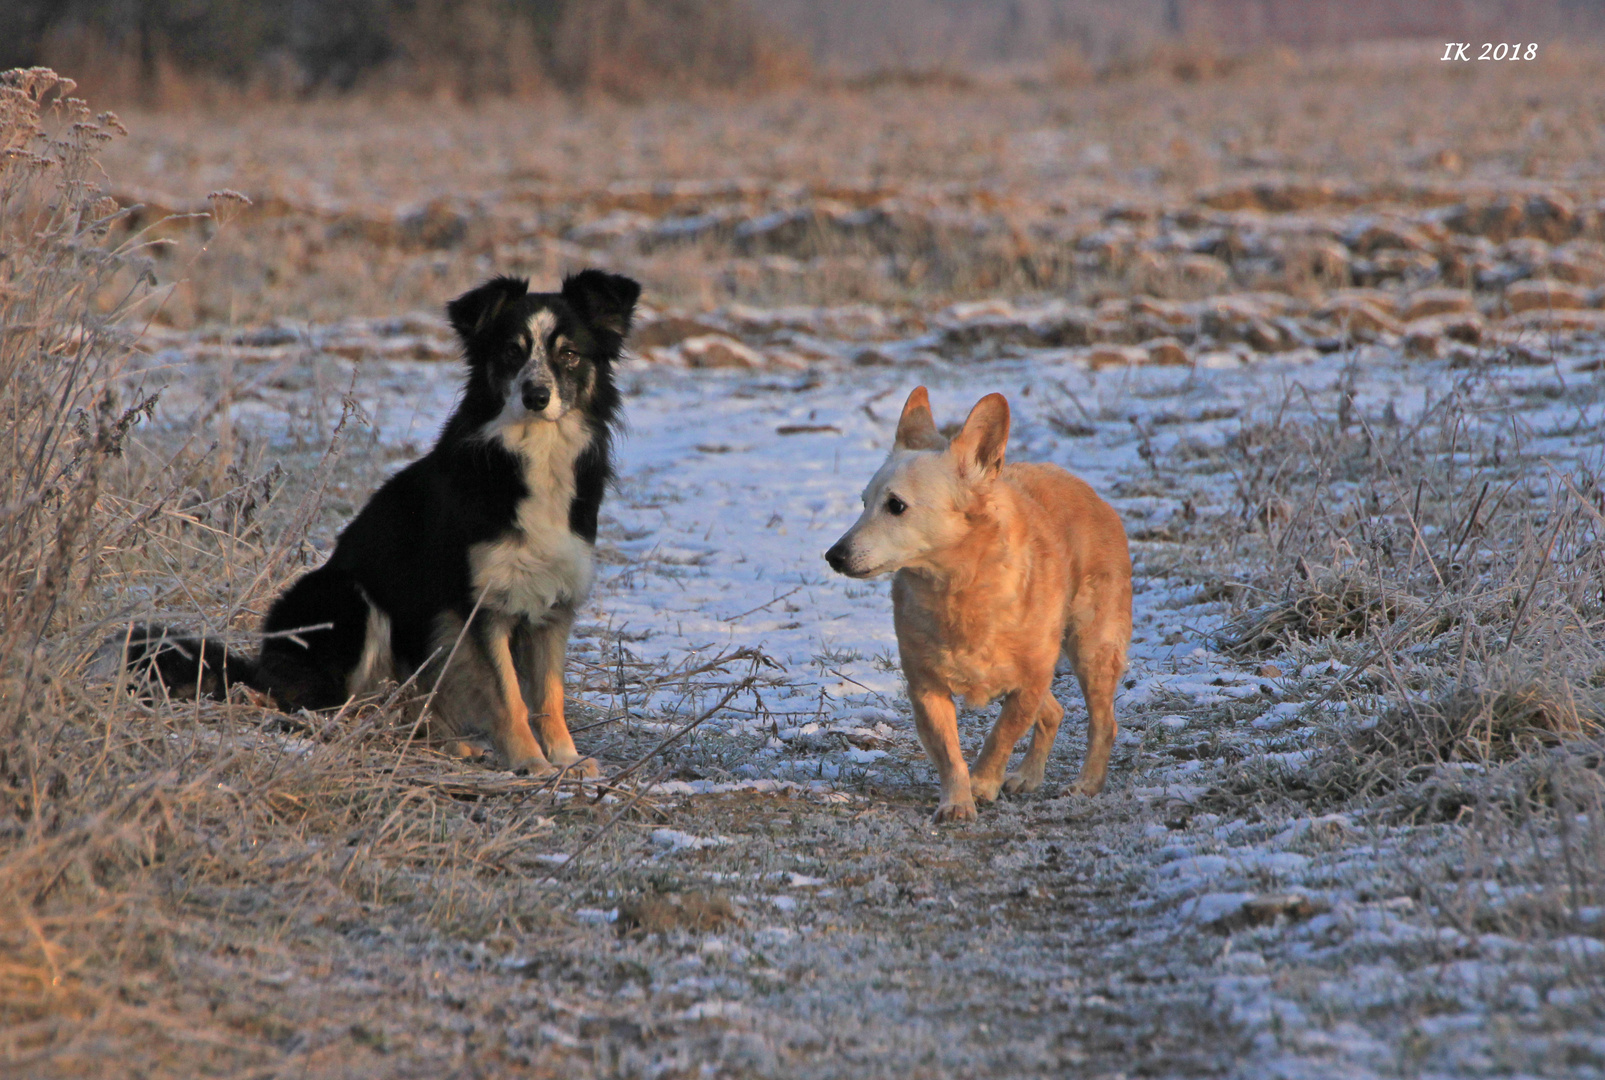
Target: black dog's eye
<point x="895" y="505"/>
<point x="567" y="356"/>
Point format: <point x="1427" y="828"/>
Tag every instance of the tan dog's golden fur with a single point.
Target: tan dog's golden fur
<point x="999" y="569"/>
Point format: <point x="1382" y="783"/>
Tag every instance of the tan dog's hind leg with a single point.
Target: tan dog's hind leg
<point x="938" y="724"/>
<point x="1095" y="643"/>
<point x="540" y="653"/>
<point x="1020" y="711"/>
<point x="1031" y="771"/>
<point x="1098" y="669"/>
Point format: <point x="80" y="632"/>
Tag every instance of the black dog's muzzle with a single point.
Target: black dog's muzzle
<point x="536" y="398"/>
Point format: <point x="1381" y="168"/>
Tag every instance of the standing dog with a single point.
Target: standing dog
<point x="999" y="569"/>
<point x="466" y="566"/>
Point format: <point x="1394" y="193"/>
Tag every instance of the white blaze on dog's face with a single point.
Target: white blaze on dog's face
<point x="917" y="504"/>
<point x="536" y="392"/>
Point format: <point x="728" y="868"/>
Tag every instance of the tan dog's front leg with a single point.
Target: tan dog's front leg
<point x="1019" y="712"/>
<point x="938" y="724"/>
<point x="540" y="652"/>
<point x="1029" y="776"/>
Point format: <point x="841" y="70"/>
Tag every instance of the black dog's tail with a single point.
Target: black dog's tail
<point x="186" y="667"/>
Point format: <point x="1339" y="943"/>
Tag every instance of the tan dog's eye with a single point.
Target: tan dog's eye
<point x="895" y="506"/>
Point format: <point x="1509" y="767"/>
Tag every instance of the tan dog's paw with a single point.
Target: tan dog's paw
<point x="538" y="767"/>
<point x="1086" y="785"/>
<point x="579" y="768"/>
<point x="1017" y="783"/>
<point x="956" y="811"/>
<point x="983" y="789"/>
<point x="459" y="749"/>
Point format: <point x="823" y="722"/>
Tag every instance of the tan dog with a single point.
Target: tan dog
<point x="999" y="568"/>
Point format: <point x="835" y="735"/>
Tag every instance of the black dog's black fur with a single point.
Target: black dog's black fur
<point x="409" y="560"/>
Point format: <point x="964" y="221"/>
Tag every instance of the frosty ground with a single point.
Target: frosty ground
<point x="777" y="903"/>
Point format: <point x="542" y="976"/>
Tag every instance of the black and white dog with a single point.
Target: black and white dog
<point x="466" y="566"/>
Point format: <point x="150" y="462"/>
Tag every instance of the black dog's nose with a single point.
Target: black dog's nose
<point x="536" y="398"/>
<point x="837" y="557"/>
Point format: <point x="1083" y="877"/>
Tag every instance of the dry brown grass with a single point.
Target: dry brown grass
<point x="1453" y="572"/>
<point x="60" y="356"/>
<point x="1504" y="718"/>
<point x="1317" y="607"/>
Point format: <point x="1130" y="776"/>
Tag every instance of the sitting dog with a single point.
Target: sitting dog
<point x="465" y="567"/>
<point x="999" y="568"/>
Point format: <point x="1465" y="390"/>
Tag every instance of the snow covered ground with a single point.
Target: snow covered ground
<point x="734" y="482"/>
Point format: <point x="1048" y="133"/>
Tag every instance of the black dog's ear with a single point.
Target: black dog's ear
<point x="471" y="312"/>
<point x="602" y="299"/>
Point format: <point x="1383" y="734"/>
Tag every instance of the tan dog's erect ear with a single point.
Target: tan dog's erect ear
<point x="916" y="428"/>
<point x="985" y="435"/>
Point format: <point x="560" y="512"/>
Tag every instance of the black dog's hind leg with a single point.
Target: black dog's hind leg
<point x="315" y="636"/>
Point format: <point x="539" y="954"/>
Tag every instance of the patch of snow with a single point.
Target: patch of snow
<point x="1213" y="907"/>
<point x="673" y="840"/>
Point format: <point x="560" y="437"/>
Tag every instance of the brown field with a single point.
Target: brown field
<point x="902" y="196"/>
<point x="219" y="890"/>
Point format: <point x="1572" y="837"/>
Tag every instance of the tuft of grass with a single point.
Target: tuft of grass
<point x="1317" y="606"/>
<point x="1431" y="758"/>
<point x="1497" y="719"/>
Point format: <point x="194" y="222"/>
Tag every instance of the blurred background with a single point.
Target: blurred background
<point x="172" y="51"/>
<point x="908" y="154"/>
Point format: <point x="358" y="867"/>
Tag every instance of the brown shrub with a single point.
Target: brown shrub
<point x="59" y="355"/>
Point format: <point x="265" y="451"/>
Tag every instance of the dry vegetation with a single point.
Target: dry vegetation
<point x="217" y="889"/>
<point x="907" y="196"/>
<point x="219" y="52"/>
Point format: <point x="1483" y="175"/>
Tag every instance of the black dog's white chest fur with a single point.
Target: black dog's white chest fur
<point x="541" y="562"/>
